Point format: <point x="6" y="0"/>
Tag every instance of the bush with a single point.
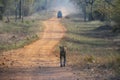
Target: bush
<point x="116" y="15"/>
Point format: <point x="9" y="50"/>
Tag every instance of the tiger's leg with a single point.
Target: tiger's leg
<point x="64" y="60"/>
<point x="60" y="60"/>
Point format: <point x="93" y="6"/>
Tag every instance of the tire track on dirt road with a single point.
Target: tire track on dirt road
<point x="36" y="61"/>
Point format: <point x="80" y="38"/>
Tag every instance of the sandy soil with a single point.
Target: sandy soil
<point x="37" y="60"/>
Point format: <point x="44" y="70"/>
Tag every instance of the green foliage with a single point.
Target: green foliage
<point x="1" y="9"/>
<point x="86" y="45"/>
<point x="116" y="11"/>
<point x="82" y="38"/>
<point x="104" y="10"/>
<point x="28" y="6"/>
<point x="117" y="64"/>
<point x="90" y="59"/>
<point x="17" y="34"/>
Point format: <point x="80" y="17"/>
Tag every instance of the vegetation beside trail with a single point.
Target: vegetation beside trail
<point x="92" y="45"/>
<point x="104" y="10"/>
<point x="18" y="34"/>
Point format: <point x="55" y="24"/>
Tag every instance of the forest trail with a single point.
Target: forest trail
<point x="37" y="61"/>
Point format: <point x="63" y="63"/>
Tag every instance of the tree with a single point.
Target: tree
<point x="20" y="9"/>
<point x="2" y="5"/>
<point x="116" y="15"/>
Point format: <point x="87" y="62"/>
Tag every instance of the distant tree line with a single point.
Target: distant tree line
<point x="20" y="8"/>
<point x="104" y="10"/>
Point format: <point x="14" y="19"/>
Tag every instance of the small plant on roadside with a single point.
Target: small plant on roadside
<point x="117" y="65"/>
<point x="90" y="59"/>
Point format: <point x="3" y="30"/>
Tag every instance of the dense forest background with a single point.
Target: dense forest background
<point x="20" y="7"/>
<point x="103" y="10"/>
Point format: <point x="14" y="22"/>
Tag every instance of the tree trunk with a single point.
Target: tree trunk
<point x="84" y="11"/>
<point x="16" y="8"/>
<point x="91" y="13"/>
<point x="2" y="10"/>
<point x="1" y="16"/>
<point x="20" y="9"/>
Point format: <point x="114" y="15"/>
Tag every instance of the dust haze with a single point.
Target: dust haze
<point x="66" y="6"/>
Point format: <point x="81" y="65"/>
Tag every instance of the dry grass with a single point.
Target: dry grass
<point x="88" y="45"/>
<point x="18" y="34"/>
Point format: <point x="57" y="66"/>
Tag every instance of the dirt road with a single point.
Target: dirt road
<point x="37" y="61"/>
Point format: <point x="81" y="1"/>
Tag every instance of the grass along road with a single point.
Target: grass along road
<point x="91" y="49"/>
<point x="89" y="56"/>
<point x="17" y="34"/>
<point x="37" y="60"/>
